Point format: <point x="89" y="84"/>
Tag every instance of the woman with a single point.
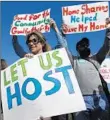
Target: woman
<point x="37" y="44"/>
<point x="20" y="51"/>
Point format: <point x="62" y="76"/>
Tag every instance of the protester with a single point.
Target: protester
<point x="37" y="44"/>
<point x="20" y="51"/>
<point x="86" y="69"/>
<point x="3" y="65"/>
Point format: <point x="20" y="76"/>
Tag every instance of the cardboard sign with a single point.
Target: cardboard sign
<point x="42" y="86"/>
<point x="85" y="17"/>
<point x="105" y="70"/>
<point x="27" y="23"/>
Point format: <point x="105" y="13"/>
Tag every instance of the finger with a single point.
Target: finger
<point x="51" y="19"/>
<point x="31" y="55"/>
<point x="41" y="118"/>
<point x="28" y="55"/>
<point x="51" y="22"/>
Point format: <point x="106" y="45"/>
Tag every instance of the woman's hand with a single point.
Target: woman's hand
<point x="29" y="55"/>
<point x="64" y="28"/>
<point x="108" y="22"/>
<point x="53" y="25"/>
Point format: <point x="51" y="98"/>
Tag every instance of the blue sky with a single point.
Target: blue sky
<point x="9" y="9"/>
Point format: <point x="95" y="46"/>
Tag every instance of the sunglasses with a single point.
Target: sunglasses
<point x="34" y="41"/>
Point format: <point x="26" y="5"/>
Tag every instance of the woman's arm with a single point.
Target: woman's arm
<point x="61" y="39"/>
<point x="17" y="47"/>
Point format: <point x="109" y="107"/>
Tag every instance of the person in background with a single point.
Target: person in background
<point x="86" y="70"/>
<point x="3" y="65"/>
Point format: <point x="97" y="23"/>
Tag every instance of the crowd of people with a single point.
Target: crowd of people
<point x="94" y="89"/>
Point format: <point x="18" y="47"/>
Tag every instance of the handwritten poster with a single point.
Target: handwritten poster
<point x="27" y="23"/>
<point x="85" y="17"/>
<point x="42" y="86"/>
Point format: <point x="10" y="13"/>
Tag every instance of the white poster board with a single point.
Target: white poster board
<point x="27" y="23"/>
<point x="105" y="71"/>
<point x="85" y="17"/>
<point x="42" y="86"/>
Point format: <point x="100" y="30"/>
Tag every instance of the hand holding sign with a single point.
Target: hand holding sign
<point x="29" y="55"/>
<point x="54" y="25"/>
<point x="64" y="28"/>
<point x="85" y="17"/>
<point x="107" y="22"/>
<point x="27" y="23"/>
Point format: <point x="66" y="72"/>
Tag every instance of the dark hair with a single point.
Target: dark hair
<point x="3" y="64"/>
<point x="81" y="42"/>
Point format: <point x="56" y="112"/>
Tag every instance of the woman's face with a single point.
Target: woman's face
<point x="35" y="46"/>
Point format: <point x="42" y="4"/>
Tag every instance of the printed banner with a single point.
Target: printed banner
<point x="42" y="86"/>
<point x="85" y="18"/>
<point x="27" y="23"/>
<point x="105" y="70"/>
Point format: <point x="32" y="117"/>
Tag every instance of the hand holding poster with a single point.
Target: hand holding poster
<point x="26" y="23"/>
<point x="85" y="17"/>
<point x="42" y="86"/>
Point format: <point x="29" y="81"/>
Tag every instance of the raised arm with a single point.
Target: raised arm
<point x="100" y="56"/>
<point x="60" y="37"/>
<point x="17" y="47"/>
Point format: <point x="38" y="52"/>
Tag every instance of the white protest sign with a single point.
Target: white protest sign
<point x="27" y="23"/>
<point x="42" y="86"/>
<point x="85" y="17"/>
<point x="105" y="70"/>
